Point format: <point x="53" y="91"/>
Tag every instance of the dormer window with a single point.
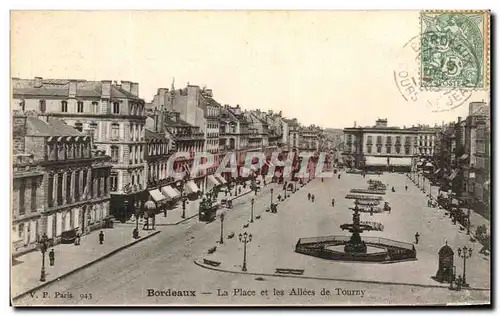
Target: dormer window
<point x="79" y="106"/>
<point x="64" y="106"/>
<point x="116" y="107"/>
<point x="42" y="106"/>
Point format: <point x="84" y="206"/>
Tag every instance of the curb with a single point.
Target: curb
<point x="333" y="279"/>
<point x="109" y="254"/>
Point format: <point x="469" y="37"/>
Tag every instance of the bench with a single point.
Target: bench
<point x="290" y="271"/>
<point x="211" y="262"/>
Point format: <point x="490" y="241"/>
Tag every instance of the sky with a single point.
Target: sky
<point x="329" y="68"/>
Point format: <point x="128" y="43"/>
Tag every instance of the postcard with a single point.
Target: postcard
<point x="250" y="158"/>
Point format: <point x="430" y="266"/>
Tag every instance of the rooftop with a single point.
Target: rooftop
<point x="38" y="127"/>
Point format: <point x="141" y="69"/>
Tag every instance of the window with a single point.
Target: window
<point x="95" y="107"/>
<point x="379" y="139"/>
<point x="92" y="129"/>
<point x="398" y="139"/>
<point x="370" y="139"/>
<point x="64" y="106"/>
<point x="21" y="230"/>
<point x="133" y="179"/>
<point x="388" y="150"/>
<point x="116" y="108"/>
<point x="114" y="181"/>
<point x="114" y="153"/>
<point x="407" y="150"/>
<point x="50" y="199"/>
<point x="34" y="184"/>
<point x="398" y="149"/>
<point x="131" y="154"/>
<point x="79" y="106"/>
<point x="59" y="189"/>
<point x="22" y="189"/>
<point x="42" y="106"/>
<point x="369" y="149"/>
<point x="379" y="149"/>
<point x="76" y="193"/>
<point x="115" y="131"/>
<point x="79" y="127"/>
<point x="68" y="187"/>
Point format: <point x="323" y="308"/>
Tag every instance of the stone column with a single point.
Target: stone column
<point x="89" y="183"/>
<point x="72" y="188"/>
<point x="54" y="187"/>
<point x="64" y="187"/>
<point x="80" y="184"/>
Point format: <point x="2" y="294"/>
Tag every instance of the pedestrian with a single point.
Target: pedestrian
<point x="417" y="236"/>
<point x="279" y="197"/>
<point x="406" y="188"/>
<point x="165" y="212"/>
<point x="308" y="196"/>
<point x="77" y="240"/>
<point x="52" y="257"/>
<point x="338" y="176"/>
<point x="101" y="237"/>
<point x="371" y="211"/>
<point x="322" y="179"/>
<point x="333" y="202"/>
<point x="312" y="198"/>
<point x="393" y="190"/>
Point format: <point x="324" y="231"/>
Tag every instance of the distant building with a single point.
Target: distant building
<point x="380" y="147"/>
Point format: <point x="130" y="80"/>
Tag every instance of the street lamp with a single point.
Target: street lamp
<point x="272" y="190"/>
<point x="221" y="228"/>
<point x="464" y="253"/>
<point x="251" y="216"/>
<point x="245" y="239"/>
<point x="44" y="244"/>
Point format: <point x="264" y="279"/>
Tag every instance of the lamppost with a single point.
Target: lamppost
<point x="464" y="253"/>
<point x="272" y="190"/>
<point x="44" y="244"/>
<point x="251" y="216"/>
<point x="221" y="228"/>
<point x="245" y="238"/>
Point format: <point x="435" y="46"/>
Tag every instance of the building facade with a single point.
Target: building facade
<point x="380" y="147"/>
<point x="68" y="182"/>
<point x="110" y="112"/>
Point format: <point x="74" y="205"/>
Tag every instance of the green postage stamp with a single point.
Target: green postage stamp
<point x="455" y="49"/>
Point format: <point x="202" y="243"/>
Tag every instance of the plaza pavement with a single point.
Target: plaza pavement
<point x="274" y="239"/>
<point x="165" y="261"/>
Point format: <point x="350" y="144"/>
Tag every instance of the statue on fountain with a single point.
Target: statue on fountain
<point x="355" y="243"/>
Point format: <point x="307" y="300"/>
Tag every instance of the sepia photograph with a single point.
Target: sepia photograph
<point x="250" y="158"/>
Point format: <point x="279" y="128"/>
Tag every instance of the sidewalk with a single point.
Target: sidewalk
<point x="70" y="258"/>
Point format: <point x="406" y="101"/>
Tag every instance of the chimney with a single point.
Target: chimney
<point x="106" y="89"/>
<point x="38" y="82"/>
<point x="134" y="89"/>
<point x="19" y="130"/>
<point x="126" y="85"/>
<point x="72" y="89"/>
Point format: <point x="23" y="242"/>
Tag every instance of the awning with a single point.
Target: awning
<point x="400" y="161"/>
<point x="376" y="161"/>
<point x="220" y="178"/>
<point x="245" y="172"/>
<point x="437" y="171"/>
<point x="453" y="175"/>
<point x="213" y="180"/>
<point x="429" y="164"/>
<point x="464" y="156"/>
<point x="156" y="195"/>
<point x="170" y="192"/>
<point x="191" y="187"/>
